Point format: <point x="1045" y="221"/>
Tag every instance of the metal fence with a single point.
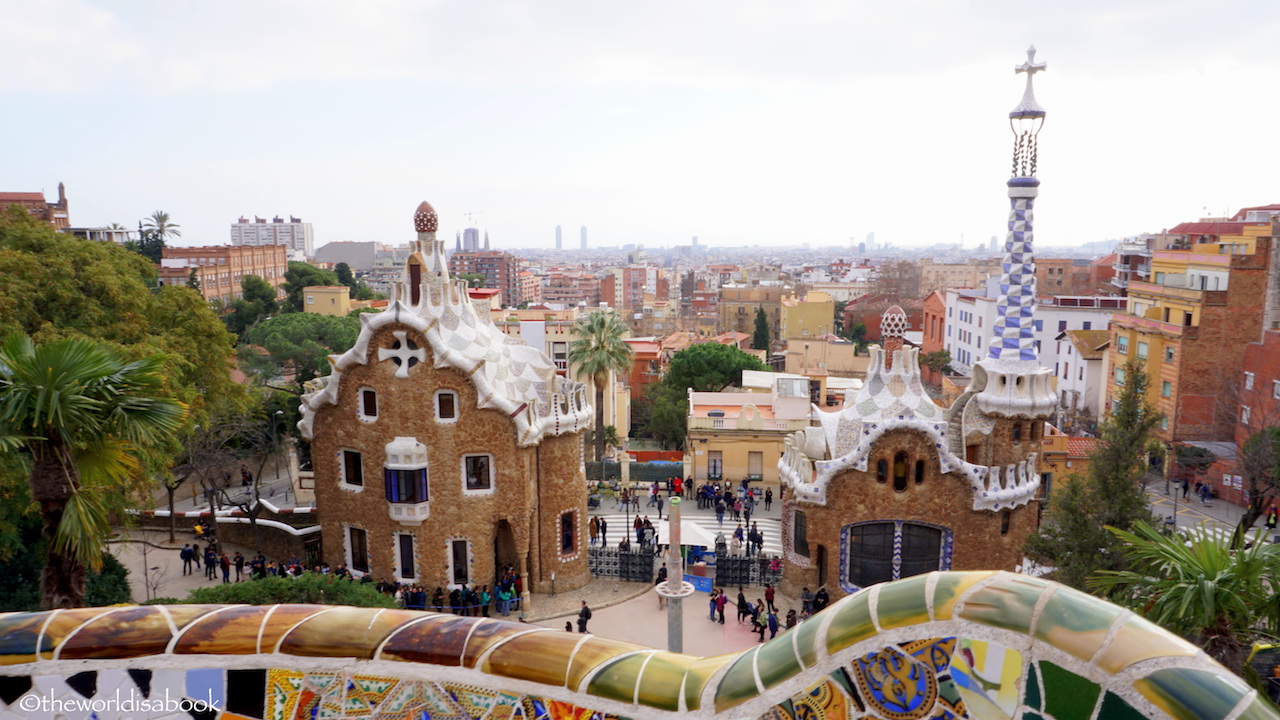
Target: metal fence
<point x="630" y="565"/>
<point x="739" y="570"/>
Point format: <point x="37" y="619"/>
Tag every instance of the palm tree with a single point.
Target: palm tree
<point x="1198" y="586"/>
<point x="79" y="410"/>
<point x="160" y="224"/>
<point x="596" y="351"/>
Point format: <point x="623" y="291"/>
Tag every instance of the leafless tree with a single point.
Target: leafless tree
<point x="1254" y="411"/>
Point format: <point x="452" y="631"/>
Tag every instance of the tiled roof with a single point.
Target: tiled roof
<point x="22" y="196"/>
<point x="1081" y="447"/>
<point x="1088" y="342"/>
<point x="1209" y="228"/>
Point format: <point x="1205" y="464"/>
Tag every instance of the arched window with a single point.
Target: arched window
<point x="900" y="472"/>
<point x="882" y="470"/>
<point x="1004" y="523"/>
<point x="1017" y="431"/>
<point x="919" y="472"/>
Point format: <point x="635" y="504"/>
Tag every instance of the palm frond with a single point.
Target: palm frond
<point x="84" y="529"/>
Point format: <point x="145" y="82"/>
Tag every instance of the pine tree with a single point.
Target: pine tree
<point x="1073" y="537"/>
<point x="760" y="339"/>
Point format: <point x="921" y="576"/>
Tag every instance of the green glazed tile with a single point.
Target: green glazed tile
<point x="948" y="589"/>
<point x="1076" y="623"/>
<point x="1031" y="696"/>
<point x="660" y="683"/>
<point x="903" y="602"/>
<point x="1031" y="716"/>
<point x="1007" y="603"/>
<point x="699" y="675"/>
<point x="807" y="641"/>
<point x="1115" y="708"/>
<point x="1259" y="709"/>
<point x="1067" y="695"/>
<point x="1138" y="640"/>
<point x="851" y="624"/>
<point x="777" y="661"/>
<point x="596" y="652"/>
<point x="841" y="677"/>
<point x="541" y="657"/>
<point x="617" y="680"/>
<point x="1192" y="694"/>
<point x="739" y="683"/>
<point x="344" y="632"/>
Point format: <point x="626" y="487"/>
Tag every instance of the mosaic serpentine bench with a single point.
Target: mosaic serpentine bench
<point x="953" y="644"/>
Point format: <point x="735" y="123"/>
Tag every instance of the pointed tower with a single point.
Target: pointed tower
<point x="1010" y="386"/>
<point x="486" y="241"/>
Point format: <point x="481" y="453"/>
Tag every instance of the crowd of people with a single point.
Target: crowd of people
<point x="762" y="614"/>
<point x="472" y="600"/>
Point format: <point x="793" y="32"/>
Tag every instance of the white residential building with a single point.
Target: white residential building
<point x="1082" y="372"/>
<point x="295" y="234"/>
<point x="970" y="314"/>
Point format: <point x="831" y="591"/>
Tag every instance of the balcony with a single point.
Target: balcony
<point x="1172" y="287"/>
<point x="410" y="514"/>
<point x="767" y="424"/>
<point x="1150" y="325"/>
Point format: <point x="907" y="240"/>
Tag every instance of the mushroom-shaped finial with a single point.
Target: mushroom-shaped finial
<point x="425" y="219"/>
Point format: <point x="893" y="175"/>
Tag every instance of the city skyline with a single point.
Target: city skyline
<point x="742" y="124"/>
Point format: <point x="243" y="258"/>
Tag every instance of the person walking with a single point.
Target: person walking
<point x="773" y="624"/>
<point x="662" y="577"/>
<point x="188" y="557"/>
<point x="768" y="598"/>
<point x="720" y="512"/>
<point x="1272" y="516"/>
<point x="768" y="499"/>
<point x="659" y="506"/>
<point x="584" y="614"/>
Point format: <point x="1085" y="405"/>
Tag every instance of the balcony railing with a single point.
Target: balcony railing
<point x="1150" y="325"/>
<point x="770" y="424"/>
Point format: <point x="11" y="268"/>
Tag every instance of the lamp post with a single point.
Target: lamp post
<point x="674" y="588"/>
<point x="275" y="449"/>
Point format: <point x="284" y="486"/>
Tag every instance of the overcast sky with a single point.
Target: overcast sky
<point x="739" y="121"/>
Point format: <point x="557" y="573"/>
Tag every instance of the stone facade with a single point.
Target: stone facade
<point x="442" y="453"/>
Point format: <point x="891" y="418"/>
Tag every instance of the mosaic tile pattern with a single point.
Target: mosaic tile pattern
<point x="1013" y="333"/>
<point x="994" y="646"/>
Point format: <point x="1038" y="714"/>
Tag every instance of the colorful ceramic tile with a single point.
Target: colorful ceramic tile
<point x="777" y="661"/>
<point x="492" y="633"/>
<point x="343" y="632"/>
<point x="1115" y="708"/>
<point x="987" y="675"/>
<point x="437" y="640"/>
<point x="1006" y="603"/>
<point x="230" y="631"/>
<point x="851" y="622"/>
<point x="1189" y="694"/>
<point x="823" y="701"/>
<point x="127" y="632"/>
<point x="936" y="652"/>
<point x="283" y="689"/>
<point x="699" y="676"/>
<point x="19" y="633"/>
<point x="1139" y="640"/>
<point x="617" y="679"/>
<point x="365" y="693"/>
<point x="474" y="701"/>
<point x="948" y="589"/>
<point x="895" y="685"/>
<point x="1076" y="623"/>
<point x="1065" y="693"/>
<point x="903" y="603"/>
<point x="541" y="657"/>
<point x="661" y="678"/>
<point x="807" y="641"/>
<point x="738" y="684"/>
<point x="594" y="653"/>
<point x="279" y="619"/>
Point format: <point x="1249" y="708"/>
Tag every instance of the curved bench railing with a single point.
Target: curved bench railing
<point x="951" y="644"/>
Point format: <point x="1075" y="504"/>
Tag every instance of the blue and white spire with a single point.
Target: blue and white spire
<point x="1010" y="379"/>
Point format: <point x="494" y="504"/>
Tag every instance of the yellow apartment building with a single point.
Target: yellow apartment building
<point x="810" y="316"/>
<point x="327" y="300"/>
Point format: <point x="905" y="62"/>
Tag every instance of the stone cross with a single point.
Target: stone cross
<point x="1030" y="67"/>
<point x="402" y="354"/>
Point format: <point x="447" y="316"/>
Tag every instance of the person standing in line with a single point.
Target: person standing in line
<point x="584" y="614"/>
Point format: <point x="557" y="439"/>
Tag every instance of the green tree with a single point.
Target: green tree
<point x="297" y="343"/>
<point x="709" y="367"/>
<point x="760" y="339"/>
<point x="257" y="300"/>
<point x="473" y="280"/>
<point x="78" y="409"/>
<point x="193" y="279"/>
<point x="938" y="361"/>
<point x="857" y="334"/>
<point x="1259" y="460"/>
<point x="597" y="351"/>
<point x="301" y="275"/>
<point x="308" y="588"/>
<point x="151" y="246"/>
<point x="162" y="225"/>
<point x="1197" y="585"/>
<point x="344" y="274"/>
<point x="1072" y="537"/>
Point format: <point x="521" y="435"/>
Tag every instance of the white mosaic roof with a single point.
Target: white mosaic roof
<point x="516" y="380"/>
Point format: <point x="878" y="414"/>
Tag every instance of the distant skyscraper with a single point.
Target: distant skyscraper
<point x="486" y="240"/>
<point x="871" y="240"/>
<point x="470" y="240"/>
<point x="584" y="237"/>
<point x="862" y="248"/>
<point x="695" y="241"/>
<point x="995" y="245"/>
<point x="295" y="234"/>
<point x="559" y="240"/>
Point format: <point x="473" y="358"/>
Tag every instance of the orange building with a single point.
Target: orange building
<point x="220" y="268"/>
<point x="34" y="203"/>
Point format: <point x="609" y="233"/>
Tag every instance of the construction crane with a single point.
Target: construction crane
<point x="470" y="220"/>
